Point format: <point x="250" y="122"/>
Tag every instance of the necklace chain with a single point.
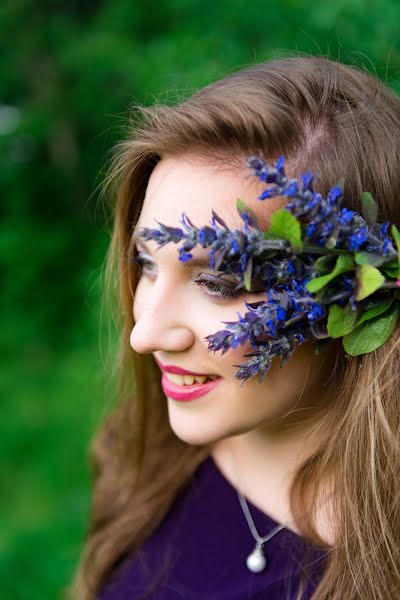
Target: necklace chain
<point x="260" y="540"/>
<point x="256" y="561"/>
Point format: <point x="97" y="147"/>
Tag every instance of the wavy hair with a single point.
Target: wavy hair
<point x="343" y="122"/>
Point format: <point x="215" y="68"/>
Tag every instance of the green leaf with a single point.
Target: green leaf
<point x="324" y="264"/>
<point x="287" y="227"/>
<point x="391" y="269"/>
<point x="341" y="320"/>
<point x="369" y="279"/>
<point x="344" y="263"/>
<point x="371" y="334"/>
<point x="247" y="274"/>
<point x="243" y="209"/>
<point x="396" y="237"/>
<point x="267" y="235"/>
<point x="374" y="311"/>
<point x="366" y="258"/>
<point x="369" y="208"/>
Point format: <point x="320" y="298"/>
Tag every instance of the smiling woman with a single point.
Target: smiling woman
<point x="205" y="488"/>
<point x="174" y="331"/>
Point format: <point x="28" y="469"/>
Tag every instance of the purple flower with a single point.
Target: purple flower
<point x="315" y="312"/>
<point x="357" y="239"/>
<point x="326" y="224"/>
<point x="385" y="228"/>
<point x="335" y="194"/>
<point x="289" y="314"/>
<point x="306" y="181"/>
<point x="345" y="216"/>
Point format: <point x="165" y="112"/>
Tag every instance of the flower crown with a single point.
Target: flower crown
<point x="329" y="272"/>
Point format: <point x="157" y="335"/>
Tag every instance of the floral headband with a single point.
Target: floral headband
<point x="329" y="272"/>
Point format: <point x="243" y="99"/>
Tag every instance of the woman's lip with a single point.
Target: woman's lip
<point x="184" y="393"/>
<point x="178" y="370"/>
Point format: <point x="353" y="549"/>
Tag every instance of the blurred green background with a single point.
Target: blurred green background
<point x="69" y="72"/>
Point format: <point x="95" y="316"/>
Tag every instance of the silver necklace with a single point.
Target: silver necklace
<point x="256" y="561"/>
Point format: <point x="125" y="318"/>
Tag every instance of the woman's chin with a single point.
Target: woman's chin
<point x="191" y="428"/>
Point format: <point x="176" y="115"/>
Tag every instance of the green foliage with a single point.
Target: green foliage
<point x="392" y="269"/>
<point x="344" y="263"/>
<point x="247" y="274"/>
<point x="324" y="264"/>
<point x="369" y="280"/>
<point x="366" y="258"/>
<point x="371" y="334"/>
<point x="268" y="235"/>
<point x="369" y="208"/>
<point x="341" y="320"/>
<point x="375" y="309"/>
<point x="396" y="237"/>
<point x="286" y="226"/>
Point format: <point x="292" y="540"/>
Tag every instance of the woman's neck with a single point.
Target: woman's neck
<point x="262" y="467"/>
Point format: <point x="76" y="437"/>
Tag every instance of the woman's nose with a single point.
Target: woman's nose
<point x="162" y="323"/>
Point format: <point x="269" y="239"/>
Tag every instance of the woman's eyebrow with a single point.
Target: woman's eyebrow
<point x="201" y="260"/>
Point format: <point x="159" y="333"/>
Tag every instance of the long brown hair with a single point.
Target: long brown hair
<point x="341" y="122"/>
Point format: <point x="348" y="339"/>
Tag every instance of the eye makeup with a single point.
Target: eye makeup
<point x="210" y="282"/>
<point x="217" y="287"/>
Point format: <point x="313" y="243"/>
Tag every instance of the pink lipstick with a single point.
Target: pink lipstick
<point x="175" y="369"/>
<point x="185" y="393"/>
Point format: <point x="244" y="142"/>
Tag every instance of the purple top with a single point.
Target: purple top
<point x="199" y="551"/>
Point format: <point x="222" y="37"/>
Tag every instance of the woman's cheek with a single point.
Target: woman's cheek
<point x="139" y="299"/>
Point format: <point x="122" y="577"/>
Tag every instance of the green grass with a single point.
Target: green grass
<point x="51" y="405"/>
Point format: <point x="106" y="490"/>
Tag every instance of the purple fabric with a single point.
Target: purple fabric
<point x="199" y="551"/>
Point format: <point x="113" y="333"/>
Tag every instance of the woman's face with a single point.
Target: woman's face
<point x="173" y="314"/>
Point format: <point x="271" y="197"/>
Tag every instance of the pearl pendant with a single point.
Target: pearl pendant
<point x="256" y="561"/>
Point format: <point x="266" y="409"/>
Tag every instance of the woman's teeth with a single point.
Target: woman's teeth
<point x="189" y="379"/>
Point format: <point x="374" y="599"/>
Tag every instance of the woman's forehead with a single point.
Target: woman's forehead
<point x="179" y="185"/>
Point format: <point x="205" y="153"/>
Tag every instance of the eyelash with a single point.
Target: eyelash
<point x="224" y="292"/>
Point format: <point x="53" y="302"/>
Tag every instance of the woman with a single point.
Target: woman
<point x="308" y="457"/>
